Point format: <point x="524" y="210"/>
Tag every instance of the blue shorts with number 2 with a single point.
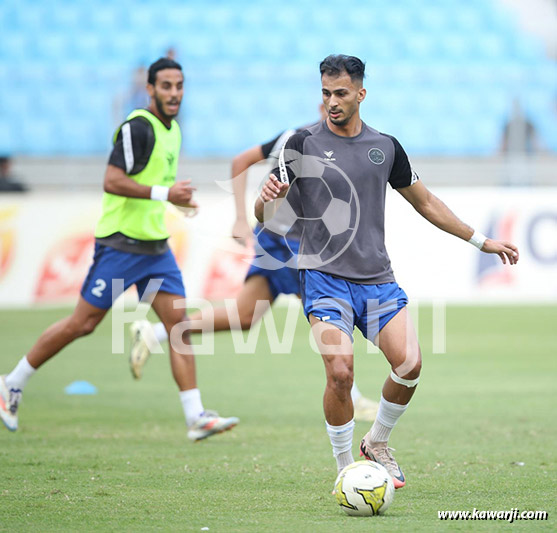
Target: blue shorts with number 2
<point x="134" y="269"/>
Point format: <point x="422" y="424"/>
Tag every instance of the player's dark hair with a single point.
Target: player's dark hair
<point x="161" y="64"/>
<point x="335" y="65"/>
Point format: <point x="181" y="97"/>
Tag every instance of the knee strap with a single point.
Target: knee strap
<point x="406" y="382"/>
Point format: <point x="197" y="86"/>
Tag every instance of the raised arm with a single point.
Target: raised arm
<point x="241" y="229"/>
<point x="436" y="212"/>
<point x="276" y="187"/>
<point x="265" y="205"/>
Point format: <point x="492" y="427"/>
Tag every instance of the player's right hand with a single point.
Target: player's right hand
<point x="181" y="193"/>
<point x="242" y="233"/>
<point x="273" y="189"/>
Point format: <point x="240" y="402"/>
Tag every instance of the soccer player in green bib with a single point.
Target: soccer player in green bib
<point x="131" y="248"/>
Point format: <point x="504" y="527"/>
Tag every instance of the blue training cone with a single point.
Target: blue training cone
<point x="80" y="387"/>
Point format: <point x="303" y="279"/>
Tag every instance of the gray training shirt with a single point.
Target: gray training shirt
<point x="337" y="197"/>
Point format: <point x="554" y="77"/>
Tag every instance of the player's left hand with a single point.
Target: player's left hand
<point x="189" y="209"/>
<point x="504" y="249"/>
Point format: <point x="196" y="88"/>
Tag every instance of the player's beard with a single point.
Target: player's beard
<point x="341" y="122"/>
<point x="160" y="109"/>
<point x="348" y="114"/>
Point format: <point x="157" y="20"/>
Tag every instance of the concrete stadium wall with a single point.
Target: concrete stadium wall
<point x="77" y="173"/>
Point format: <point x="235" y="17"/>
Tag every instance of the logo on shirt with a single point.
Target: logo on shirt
<point x="329" y="156"/>
<point x="376" y="156"/>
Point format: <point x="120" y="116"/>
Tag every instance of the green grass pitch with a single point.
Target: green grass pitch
<point x="480" y="433"/>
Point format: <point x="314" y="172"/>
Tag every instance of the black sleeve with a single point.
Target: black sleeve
<point x="401" y="174"/>
<point x="268" y="147"/>
<point x="290" y="158"/>
<point x="133" y="146"/>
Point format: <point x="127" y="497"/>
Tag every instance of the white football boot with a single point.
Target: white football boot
<point x="381" y="453"/>
<point x="210" y="423"/>
<point x="9" y="402"/>
<point x="143" y="342"/>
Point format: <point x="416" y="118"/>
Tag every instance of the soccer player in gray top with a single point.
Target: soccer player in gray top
<point x="343" y="165"/>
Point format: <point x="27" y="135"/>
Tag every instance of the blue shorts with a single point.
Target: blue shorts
<point x="346" y="304"/>
<point x="110" y="264"/>
<point x="271" y="253"/>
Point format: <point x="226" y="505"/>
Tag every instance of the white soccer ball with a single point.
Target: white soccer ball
<point x="364" y="488"/>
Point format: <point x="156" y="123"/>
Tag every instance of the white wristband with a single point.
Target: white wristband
<point x="158" y="192"/>
<point x="477" y="240"/>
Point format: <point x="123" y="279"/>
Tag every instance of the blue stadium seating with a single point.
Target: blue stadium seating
<point x="437" y="71"/>
<point x="8" y="141"/>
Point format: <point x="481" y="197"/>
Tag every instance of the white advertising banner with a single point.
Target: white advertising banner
<point x="46" y="245"/>
<point x="431" y="264"/>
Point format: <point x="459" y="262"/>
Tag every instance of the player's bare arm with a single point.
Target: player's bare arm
<point x="273" y="189"/>
<point x="116" y="181"/>
<point x="241" y="230"/>
<point x="436" y="212"/>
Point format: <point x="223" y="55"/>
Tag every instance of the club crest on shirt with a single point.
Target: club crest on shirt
<point x="376" y="156"/>
<point x="329" y="155"/>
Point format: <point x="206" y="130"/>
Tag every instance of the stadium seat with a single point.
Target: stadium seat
<point x="431" y="61"/>
<point x="416" y="136"/>
<point x="39" y="137"/>
<point x="431" y="19"/>
<point x="546" y="126"/>
<point x="15" y="46"/>
<point x="104" y="20"/>
<point x="9" y="143"/>
<point x="126" y="46"/>
<point x="66" y="18"/>
<point x="89" y="48"/>
<point x="200" y="46"/>
<point x="419" y="46"/>
<point x="81" y="137"/>
<point x="14" y="104"/>
<point x="50" y="47"/>
<point x="196" y="137"/>
<point x="469" y="19"/>
<point x="485" y="135"/>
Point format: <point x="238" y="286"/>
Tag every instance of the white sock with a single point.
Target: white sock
<point x="191" y="402"/>
<point x="355" y="392"/>
<point x="160" y="331"/>
<point x="18" y="377"/>
<point x="387" y="416"/>
<point x="341" y="440"/>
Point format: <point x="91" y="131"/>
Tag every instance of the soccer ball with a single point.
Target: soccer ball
<point x="364" y="488"/>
